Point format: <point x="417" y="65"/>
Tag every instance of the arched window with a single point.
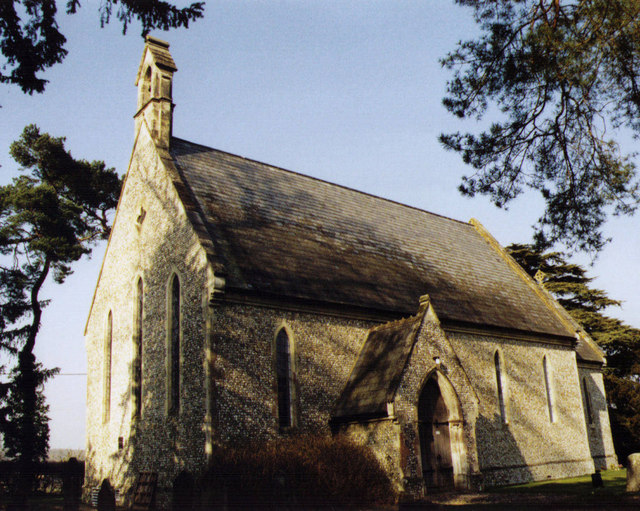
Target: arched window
<point x="145" y="89"/>
<point x="547" y="386"/>
<point x="284" y="379"/>
<point x="587" y="401"/>
<point x="173" y="365"/>
<point x="137" y="342"/>
<point x="500" y="388"/>
<point x="106" y="400"/>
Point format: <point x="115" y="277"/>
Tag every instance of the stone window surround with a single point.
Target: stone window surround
<point x="137" y="365"/>
<point x="108" y="345"/>
<point x="174" y="409"/>
<point x="586" y="396"/>
<point x="146" y="89"/>
<point x="293" y="381"/>
<point x="549" y="389"/>
<point x="501" y="386"/>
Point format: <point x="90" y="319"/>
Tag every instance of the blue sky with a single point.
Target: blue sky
<point x="346" y="91"/>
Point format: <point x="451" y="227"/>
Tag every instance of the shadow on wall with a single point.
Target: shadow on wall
<point x="246" y="374"/>
<point x="144" y="448"/>
<point x="546" y="434"/>
<point x="593" y="418"/>
<point x="121" y="469"/>
<point x="137" y="444"/>
<point x="154" y="440"/>
<point x="501" y="461"/>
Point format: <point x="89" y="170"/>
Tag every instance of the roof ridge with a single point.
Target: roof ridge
<point x="344" y="187"/>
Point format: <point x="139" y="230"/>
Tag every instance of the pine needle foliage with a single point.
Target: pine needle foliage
<point x="31" y="42"/>
<point x="26" y="436"/>
<point x="556" y="75"/>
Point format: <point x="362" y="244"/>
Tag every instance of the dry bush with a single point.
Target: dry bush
<point x="297" y="471"/>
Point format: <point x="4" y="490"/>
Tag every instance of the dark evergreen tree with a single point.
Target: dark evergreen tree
<point x="26" y="434"/>
<point x="31" y="42"/>
<point x="50" y="216"/>
<point x="570" y="285"/>
<point x="556" y="75"/>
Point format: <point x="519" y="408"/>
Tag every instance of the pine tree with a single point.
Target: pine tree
<point x="25" y="424"/>
<point x="555" y="76"/>
<point x="50" y="216"/>
<point x="570" y="285"/>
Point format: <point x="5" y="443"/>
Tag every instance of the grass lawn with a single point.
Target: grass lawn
<point x="576" y="493"/>
<point x="615" y="482"/>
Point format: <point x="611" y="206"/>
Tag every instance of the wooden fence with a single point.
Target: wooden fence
<point x="51" y="477"/>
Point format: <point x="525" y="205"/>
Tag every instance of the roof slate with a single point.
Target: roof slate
<point x="287" y="234"/>
<point x="587" y="352"/>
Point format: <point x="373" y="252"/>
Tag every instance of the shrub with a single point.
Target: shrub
<point x="297" y="471"/>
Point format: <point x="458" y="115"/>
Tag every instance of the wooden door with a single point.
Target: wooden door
<point x="435" y="438"/>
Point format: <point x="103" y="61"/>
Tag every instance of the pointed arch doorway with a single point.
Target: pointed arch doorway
<point x="440" y="432"/>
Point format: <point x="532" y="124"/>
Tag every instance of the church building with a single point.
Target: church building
<point x="238" y="300"/>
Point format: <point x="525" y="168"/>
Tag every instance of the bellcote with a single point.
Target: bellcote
<point x="154" y="82"/>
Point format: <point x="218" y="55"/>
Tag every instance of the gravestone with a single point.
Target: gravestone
<point x="633" y="472"/>
<point x="106" y="497"/>
<point x="596" y="480"/>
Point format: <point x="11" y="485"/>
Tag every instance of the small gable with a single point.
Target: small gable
<point x="377" y="372"/>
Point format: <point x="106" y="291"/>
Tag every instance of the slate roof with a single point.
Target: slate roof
<point x="377" y="372"/>
<point x="285" y="234"/>
<point x="588" y="352"/>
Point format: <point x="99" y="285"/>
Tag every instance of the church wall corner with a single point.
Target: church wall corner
<point x="596" y="417"/>
<point x="151" y="239"/>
